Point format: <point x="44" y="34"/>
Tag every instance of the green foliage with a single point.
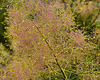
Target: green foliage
<point x="3" y="3"/>
<point x="3" y="24"/>
<point x="85" y="18"/>
<point x="5" y="51"/>
<point x="4" y="56"/>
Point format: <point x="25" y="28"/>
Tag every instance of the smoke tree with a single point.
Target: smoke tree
<point x="48" y="43"/>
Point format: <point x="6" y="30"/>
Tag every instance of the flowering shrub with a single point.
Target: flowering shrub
<point x="46" y="44"/>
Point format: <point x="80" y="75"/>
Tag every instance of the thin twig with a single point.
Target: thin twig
<point x="52" y="53"/>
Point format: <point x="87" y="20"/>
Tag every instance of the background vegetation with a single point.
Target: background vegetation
<point x="49" y="40"/>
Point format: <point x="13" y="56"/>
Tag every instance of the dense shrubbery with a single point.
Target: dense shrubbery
<point x="51" y="40"/>
<point x="4" y="39"/>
